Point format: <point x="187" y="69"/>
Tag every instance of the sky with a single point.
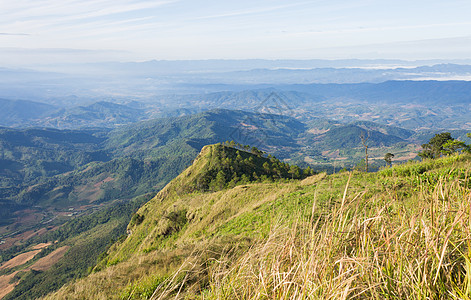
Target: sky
<point x="42" y="31"/>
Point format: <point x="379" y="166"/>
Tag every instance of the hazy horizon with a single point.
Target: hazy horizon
<point x="52" y="31"/>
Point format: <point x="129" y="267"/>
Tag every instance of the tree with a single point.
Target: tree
<point x="238" y="157"/>
<point x="294" y="171"/>
<point x="244" y="179"/>
<point x="360" y="165"/>
<point x="453" y="146"/>
<point x="434" y="148"/>
<point x="257" y="152"/>
<point x="364" y="141"/>
<point x="219" y="182"/>
<point x="468" y="147"/>
<point x="308" y="172"/>
<point x="266" y="167"/>
<point x="388" y="158"/>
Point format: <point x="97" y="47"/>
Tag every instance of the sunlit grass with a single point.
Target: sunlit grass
<point x="401" y="233"/>
<point x="381" y="246"/>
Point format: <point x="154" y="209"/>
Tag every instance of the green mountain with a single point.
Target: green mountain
<point x="99" y="114"/>
<point x="30" y="158"/>
<point x="399" y="232"/>
<point x="50" y="168"/>
<point x="349" y="136"/>
<point x="20" y="112"/>
<point x="215" y="168"/>
<point x="53" y="179"/>
<point x="27" y="154"/>
<point x="23" y="113"/>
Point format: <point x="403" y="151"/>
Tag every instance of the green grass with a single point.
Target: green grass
<point x="382" y="246"/>
<point x="401" y="233"/>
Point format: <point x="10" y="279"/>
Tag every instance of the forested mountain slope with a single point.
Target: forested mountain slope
<point x="49" y="177"/>
<point x="400" y="232"/>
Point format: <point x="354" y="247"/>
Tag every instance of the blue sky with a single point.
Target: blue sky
<point x="133" y="30"/>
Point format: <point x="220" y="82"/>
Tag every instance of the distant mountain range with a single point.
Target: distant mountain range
<point x="408" y="104"/>
<point x="40" y="166"/>
<point x="70" y="84"/>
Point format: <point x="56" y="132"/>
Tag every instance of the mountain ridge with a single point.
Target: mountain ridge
<point x="177" y="242"/>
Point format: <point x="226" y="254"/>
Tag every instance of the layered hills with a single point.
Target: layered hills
<point x="52" y="171"/>
<point x="79" y="188"/>
<point x="408" y="104"/>
<point x="48" y="165"/>
<point x="136" y="181"/>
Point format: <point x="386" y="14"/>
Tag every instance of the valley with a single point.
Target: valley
<point x="91" y="187"/>
<point x="221" y="150"/>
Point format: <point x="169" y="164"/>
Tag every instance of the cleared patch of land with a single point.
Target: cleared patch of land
<point x="19" y="259"/>
<point x="18" y="238"/>
<point x="318" y="131"/>
<point x="48" y="261"/>
<point x="41" y="246"/>
<point x="107" y="179"/>
<point x="5" y="286"/>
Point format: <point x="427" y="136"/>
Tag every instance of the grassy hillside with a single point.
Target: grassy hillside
<point x="402" y="232"/>
<point x="143" y="158"/>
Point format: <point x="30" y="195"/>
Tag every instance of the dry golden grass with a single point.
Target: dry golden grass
<point x="20" y="259"/>
<point x="361" y="250"/>
<point x="403" y="233"/>
<point x="41" y="246"/>
<point x="382" y="245"/>
<point x="5" y="286"/>
<point x="45" y="263"/>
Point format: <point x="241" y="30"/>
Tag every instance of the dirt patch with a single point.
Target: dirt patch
<point x="5" y="286"/>
<point x="30" y="188"/>
<point x="7" y="243"/>
<point x="85" y="207"/>
<point x="87" y="169"/>
<point x="41" y="246"/>
<point x="27" y="217"/>
<point x="21" y="237"/>
<point x="309" y="160"/>
<point x="248" y="126"/>
<point x="19" y="259"/>
<point x="107" y="179"/>
<point x="317" y="131"/>
<point x="411" y="155"/>
<point x="35" y="233"/>
<point x="43" y="264"/>
<point x="332" y="154"/>
<point x="88" y="192"/>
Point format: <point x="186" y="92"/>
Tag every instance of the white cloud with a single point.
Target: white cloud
<point x="14" y="34"/>
<point x="259" y="10"/>
<point x="188" y="29"/>
<point x="50" y="14"/>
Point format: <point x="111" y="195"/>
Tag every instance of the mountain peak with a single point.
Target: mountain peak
<point x="219" y="166"/>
